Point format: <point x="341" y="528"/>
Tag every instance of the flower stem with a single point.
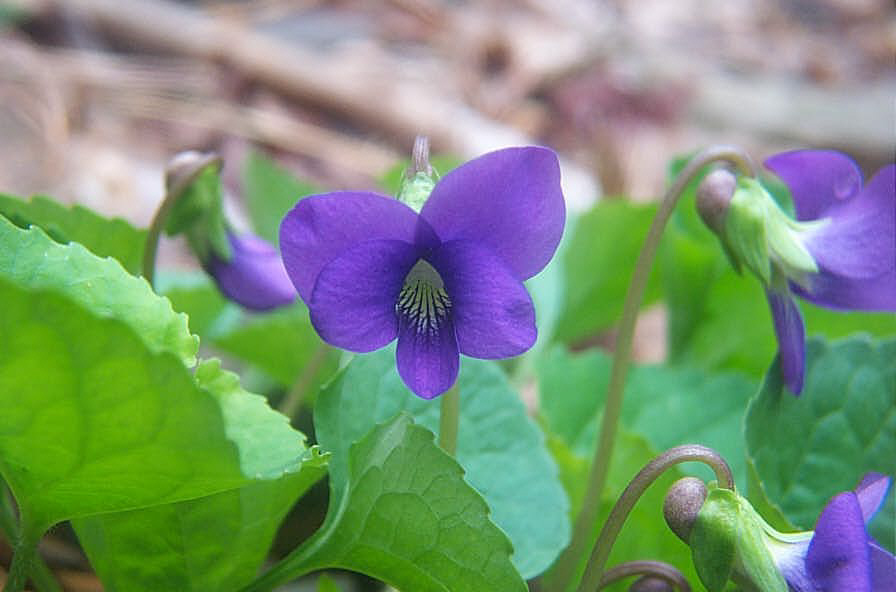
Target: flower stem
<point x="177" y="178"/>
<point x="23" y="558"/>
<point x="637" y="486"/>
<point x="41" y="575"/>
<point x="569" y="562"/>
<point x="293" y="400"/>
<point x="449" y="418"/>
<point x="657" y="569"/>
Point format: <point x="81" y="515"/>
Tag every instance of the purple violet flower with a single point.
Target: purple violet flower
<point x="444" y="281"/>
<point x="849" y="231"/>
<point x="254" y="277"/>
<point x="840" y="555"/>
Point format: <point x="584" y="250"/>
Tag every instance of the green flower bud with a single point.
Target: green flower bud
<point x="418" y="181"/>
<point x="193" y="185"/>
<point x="754" y="231"/>
<point x="729" y="540"/>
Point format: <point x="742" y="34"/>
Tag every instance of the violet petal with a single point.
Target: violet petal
<point x="883" y="568"/>
<point x="493" y="313"/>
<point x="818" y="179"/>
<point x="322" y="227"/>
<point x="831" y="291"/>
<point x="428" y="361"/>
<point x="509" y="200"/>
<point x="254" y="277"/>
<point x="353" y="302"/>
<point x="859" y="238"/>
<point x="791" y="339"/>
<point x="871" y="491"/>
<point x="839" y="558"/>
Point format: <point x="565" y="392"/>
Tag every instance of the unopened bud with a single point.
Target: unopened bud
<point x="418" y="182"/>
<point x="713" y="198"/>
<point x="184" y="167"/>
<point x="682" y="504"/>
<point x="651" y="584"/>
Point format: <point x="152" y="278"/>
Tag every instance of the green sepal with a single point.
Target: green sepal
<point x="712" y="539"/>
<point x="729" y="540"/>
<point x="761" y="236"/>
<point x="756" y="564"/>
<point x="745" y="237"/>
<point x="199" y="213"/>
<point x="415" y="190"/>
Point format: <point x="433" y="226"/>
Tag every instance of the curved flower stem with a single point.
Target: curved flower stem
<point x="567" y="564"/>
<point x="41" y="575"/>
<point x="175" y="183"/>
<point x="449" y="418"/>
<point x="637" y="486"/>
<point x="293" y="400"/>
<point x="645" y="568"/>
<point x="24" y="557"/>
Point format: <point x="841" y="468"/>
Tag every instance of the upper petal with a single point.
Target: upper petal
<point x="321" y="227"/>
<point x="818" y="179"/>
<point x="254" y="277"/>
<point x="791" y="336"/>
<point x="353" y="302"/>
<point x="839" y="558"/>
<point x="493" y="313"/>
<point x="427" y="360"/>
<point x="509" y="200"/>
<point x="870" y="492"/>
<point x="859" y="238"/>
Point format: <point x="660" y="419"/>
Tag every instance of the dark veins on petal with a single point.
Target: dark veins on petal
<point x="423" y="301"/>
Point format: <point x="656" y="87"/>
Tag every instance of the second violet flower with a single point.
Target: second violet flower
<point x="444" y="281"/>
<point x="839" y="252"/>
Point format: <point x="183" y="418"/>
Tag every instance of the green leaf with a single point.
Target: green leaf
<point x="281" y="343"/>
<point x="598" y="265"/>
<point x="96" y="422"/>
<point x="195" y="295"/>
<point x="400" y="511"/>
<point x="270" y="192"/>
<point x="32" y="260"/>
<point x="713" y="537"/>
<point x="326" y="584"/>
<point x="548" y="291"/>
<point x="668" y="405"/>
<point x="216" y="542"/>
<point x="105" y="237"/>
<point x="769" y="511"/>
<point x="807" y="449"/>
<point x="526" y="498"/>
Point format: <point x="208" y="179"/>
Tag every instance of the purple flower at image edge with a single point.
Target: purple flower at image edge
<point x="841" y="556"/>
<point x="444" y="282"/>
<point x="254" y="277"/>
<point x="853" y="243"/>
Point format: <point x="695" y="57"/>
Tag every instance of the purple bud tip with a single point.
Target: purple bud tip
<point x="713" y="196"/>
<point x="682" y="504"/>
<point x="651" y="584"/>
<point x="255" y="276"/>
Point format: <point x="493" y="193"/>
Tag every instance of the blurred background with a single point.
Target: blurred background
<point x="97" y="95"/>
